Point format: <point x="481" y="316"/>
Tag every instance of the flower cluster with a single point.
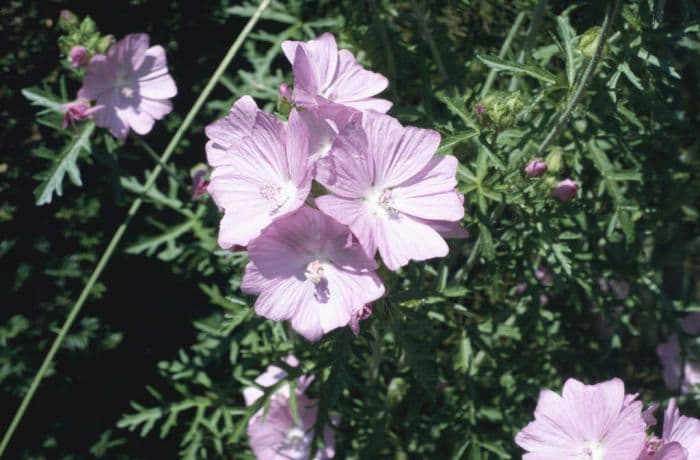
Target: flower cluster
<point x="602" y="422"/>
<point x="278" y="433"/>
<point x="378" y="187"/>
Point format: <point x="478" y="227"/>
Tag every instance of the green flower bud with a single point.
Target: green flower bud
<point x="397" y="391"/>
<point x="589" y="41"/>
<point x="554" y="161"/>
<point x="499" y="109"/>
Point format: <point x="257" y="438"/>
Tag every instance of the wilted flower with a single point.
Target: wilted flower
<point x="535" y="168"/>
<point x="591" y="422"/>
<point x="360" y="315"/>
<point x="305" y="268"/>
<point x="389" y="187"/>
<point x="132" y="82"/>
<point x="275" y="435"/>
<point x="267" y="177"/>
<point x="323" y="74"/>
<point x="198" y="173"/>
<point x="79" y="56"/>
<point x="77" y="110"/>
<point x="565" y="190"/>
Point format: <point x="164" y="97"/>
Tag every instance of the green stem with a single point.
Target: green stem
<point x="130" y="215"/>
<point x="537" y="16"/>
<point x="425" y="30"/>
<point x="502" y="53"/>
<point x="152" y="153"/>
<point x="586" y="78"/>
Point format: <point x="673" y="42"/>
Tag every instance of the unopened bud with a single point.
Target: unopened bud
<point x="78" y="110"/>
<point x="565" y="190"/>
<point x="79" y="56"/>
<point x="535" y="168"/>
<point x="198" y="173"/>
<point x="66" y="19"/>
<point x="544" y="276"/>
<point x="499" y="109"/>
<point x="589" y="41"/>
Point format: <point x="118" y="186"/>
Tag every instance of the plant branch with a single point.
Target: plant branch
<point x="133" y="210"/>
<point x="586" y="78"/>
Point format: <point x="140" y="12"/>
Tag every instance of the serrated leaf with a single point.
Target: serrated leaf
<point x="521" y="69"/>
<point x="65" y="163"/>
<point x="567" y="33"/>
<point x="456" y="139"/>
<point x="41" y="98"/>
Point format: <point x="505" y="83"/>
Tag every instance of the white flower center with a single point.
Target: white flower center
<point x="591" y="451"/>
<point x="278" y="195"/>
<point x="381" y="202"/>
<point x="127" y="92"/>
<point x="314" y="272"/>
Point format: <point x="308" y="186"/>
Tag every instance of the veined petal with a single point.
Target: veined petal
<point x="401" y="239"/>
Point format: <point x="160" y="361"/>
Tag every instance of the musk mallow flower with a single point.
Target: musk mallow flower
<point x="587" y="422"/>
<point x="390" y="189"/>
<point x="267" y="179"/>
<point x="307" y="269"/>
<point x="322" y="74"/>
<point x="275" y="434"/>
<point x="132" y="83"/>
<point x="680" y="439"/>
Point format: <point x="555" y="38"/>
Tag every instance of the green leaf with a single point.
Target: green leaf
<point x="41" y="98"/>
<point x="449" y="142"/>
<point x="566" y="32"/>
<point x="513" y="67"/>
<point x="66" y="162"/>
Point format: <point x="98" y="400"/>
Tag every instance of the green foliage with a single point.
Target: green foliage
<point x="452" y="360"/>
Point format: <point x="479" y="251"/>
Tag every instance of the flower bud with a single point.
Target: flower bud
<point x="66" y="19"/>
<point x="396" y="391"/>
<point x="544" y="276"/>
<point x="589" y="41"/>
<point x="78" y="110"/>
<point x="565" y="190"/>
<point x="535" y="168"/>
<point x="284" y="100"/>
<point x="78" y="56"/>
<point x="499" y="109"/>
<point x="198" y="173"/>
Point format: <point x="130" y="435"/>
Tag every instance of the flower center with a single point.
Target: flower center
<point x="294" y="445"/>
<point x="277" y="195"/>
<point x="591" y="451"/>
<point x="126" y="92"/>
<point x="314" y="272"/>
<point x="382" y="202"/>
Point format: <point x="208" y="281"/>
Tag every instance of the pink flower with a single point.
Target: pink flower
<point x="275" y="435"/>
<point x="226" y="132"/>
<point x="544" y="276"/>
<point x="267" y="177"/>
<point x="323" y="124"/>
<point x="390" y="189"/>
<point x="307" y="270"/>
<point x="78" y="56"/>
<point x="535" y="168"/>
<point x="680" y="439"/>
<point x="565" y="190"/>
<point x="77" y="110"/>
<point x="592" y="422"/>
<point x="132" y="83"/>
<point x="324" y="74"/>
<point x="673" y="367"/>
<point x="199" y="183"/>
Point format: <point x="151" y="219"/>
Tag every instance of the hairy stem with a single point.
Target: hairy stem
<point x="586" y="78"/>
<point x="502" y="53"/>
<point x="133" y="210"/>
<point x="537" y="16"/>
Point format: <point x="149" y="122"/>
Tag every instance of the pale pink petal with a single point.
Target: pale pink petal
<point x="672" y="451"/>
<point x="353" y="83"/>
<point x="398" y="153"/>
<point x="99" y="78"/>
<point x="597" y="405"/>
<point x="156" y="108"/>
<point x="352" y="213"/>
<point x="112" y="118"/>
<point x="129" y="51"/>
<point x="372" y="103"/>
<point x="552" y="433"/>
<point x="401" y="239"/>
<point x="683" y="430"/>
<point x="140" y="121"/>
<point x="225" y="132"/>
<point x="626" y="434"/>
<point x="430" y="194"/>
<point x="347" y="170"/>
